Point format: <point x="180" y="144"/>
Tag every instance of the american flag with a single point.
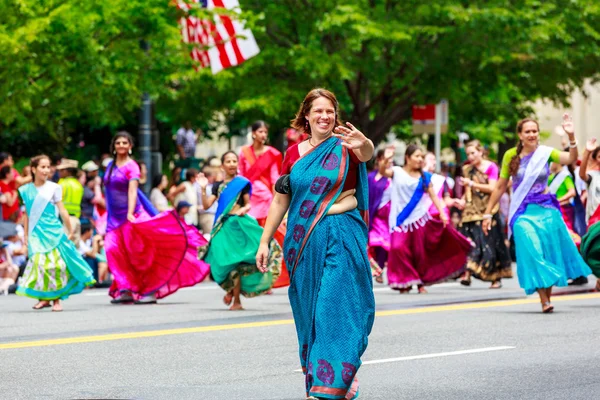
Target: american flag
<point x="218" y="44"/>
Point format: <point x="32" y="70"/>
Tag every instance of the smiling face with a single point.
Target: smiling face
<point x="474" y="155"/>
<point x="321" y="117"/>
<point x="529" y="134"/>
<point x="122" y="146"/>
<point x="230" y="165"/>
<point x="42" y="170"/>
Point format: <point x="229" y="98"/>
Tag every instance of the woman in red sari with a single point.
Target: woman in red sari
<point x="261" y="165"/>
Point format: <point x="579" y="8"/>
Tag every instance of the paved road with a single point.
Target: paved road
<point x="454" y="343"/>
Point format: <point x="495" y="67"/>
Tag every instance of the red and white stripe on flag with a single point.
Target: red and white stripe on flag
<point x="219" y="44"/>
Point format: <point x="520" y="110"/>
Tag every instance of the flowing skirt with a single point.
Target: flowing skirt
<point x="57" y="274"/>
<point x="546" y="254"/>
<point x="426" y="255"/>
<point x="590" y="248"/>
<point x="156" y="255"/>
<point x="490" y="259"/>
<point x="232" y="256"/>
<point x="279" y="236"/>
<point x="379" y="240"/>
<point x="331" y="295"/>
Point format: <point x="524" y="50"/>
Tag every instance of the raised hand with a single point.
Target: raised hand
<point x="389" y="152"/>
<point x="351" y="137"/>
<point x="568" y="125"/>
<point x="202" y="181"/>
<point x="591" y="145"/>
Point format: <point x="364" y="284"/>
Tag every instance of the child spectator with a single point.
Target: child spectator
<point x="183" y="207"/>
<point x="91" y="247"/>
<point x="8" y="270"/>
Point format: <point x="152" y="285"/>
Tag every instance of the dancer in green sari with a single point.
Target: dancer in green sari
<point x="235" y="238"/>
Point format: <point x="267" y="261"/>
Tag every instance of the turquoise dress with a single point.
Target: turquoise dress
<point x="55" y="269"/>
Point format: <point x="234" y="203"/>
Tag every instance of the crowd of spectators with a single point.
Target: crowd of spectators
<point x="84" y="200"/>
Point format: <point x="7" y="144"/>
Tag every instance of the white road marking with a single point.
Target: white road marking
<point x="434" y="355"/>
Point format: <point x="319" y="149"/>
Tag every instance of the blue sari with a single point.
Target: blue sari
<point x="331" y="290"/>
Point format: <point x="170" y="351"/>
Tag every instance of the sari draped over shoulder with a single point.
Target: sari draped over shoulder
<point x="155" y="254"/>
<point x="234" y="243"/>
<point x="331" y="291"/>
<point x="262" y="171"/>
<point x="55" y="269"/>
<point x="546" y="254"/>
<point x="423" y="250"/>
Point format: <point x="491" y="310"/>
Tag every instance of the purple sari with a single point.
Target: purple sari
<point x="157" y="253"/>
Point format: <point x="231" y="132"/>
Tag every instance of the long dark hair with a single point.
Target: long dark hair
<point x="410" y="150"/>
<point x="515" y="162"/>
<point x="259" y="124"/>
<point x="119" y="135"/>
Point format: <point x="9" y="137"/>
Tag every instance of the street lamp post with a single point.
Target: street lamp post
<point x="145" y="132"/>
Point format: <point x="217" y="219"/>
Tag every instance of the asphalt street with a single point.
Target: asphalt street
<point x="453" y="343"/>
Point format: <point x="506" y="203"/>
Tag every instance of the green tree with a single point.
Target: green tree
<point x="67" y="62"/>
<point x="490" y="58"/>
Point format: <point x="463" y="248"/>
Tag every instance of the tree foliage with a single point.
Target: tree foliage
<point x="65" y="60"/>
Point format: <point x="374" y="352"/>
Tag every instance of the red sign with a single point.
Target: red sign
<point x="423" y="114"/>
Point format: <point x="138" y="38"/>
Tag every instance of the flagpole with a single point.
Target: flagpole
<point x="145" y="132"/>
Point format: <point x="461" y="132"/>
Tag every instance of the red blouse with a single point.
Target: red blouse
<point x="293" y="154"/>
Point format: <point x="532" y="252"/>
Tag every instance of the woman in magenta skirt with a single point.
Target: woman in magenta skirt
<point x="423" y="250"/>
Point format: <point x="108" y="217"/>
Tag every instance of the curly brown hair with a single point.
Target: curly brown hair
<point x="513" y="166"/>
<point x="300" y="123"/>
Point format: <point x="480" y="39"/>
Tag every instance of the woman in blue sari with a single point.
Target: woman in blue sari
<point x="324" y="186"/>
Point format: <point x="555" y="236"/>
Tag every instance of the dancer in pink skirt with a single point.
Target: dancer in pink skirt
<point x="423" y="250"/>
<point x="379" y="214"/>
<point x="150" y="255"/>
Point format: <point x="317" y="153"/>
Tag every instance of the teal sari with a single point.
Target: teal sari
<point x="233" y="245"/>
<point x="55" y="269"/>
<point x="331" y="289"/>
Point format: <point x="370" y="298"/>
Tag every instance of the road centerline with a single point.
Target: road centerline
<point x="212" y="328"/>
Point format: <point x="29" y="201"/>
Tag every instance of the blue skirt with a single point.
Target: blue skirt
<point x="546" y="254"/>
<point x="331" y="294"/>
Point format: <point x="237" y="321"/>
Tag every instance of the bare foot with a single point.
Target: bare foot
<point x="422" y="290"/>
<point x="57" y="307"/>
<point x="236" y="307"/>
<point x="379" y="279"/>
<point x="547" y="308"/>
<point x="228" y="298"/>
<point x="496" y="285"/>
<point x="41" y="304"/>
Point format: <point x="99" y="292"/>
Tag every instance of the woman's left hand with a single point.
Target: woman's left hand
<point x="130" y="217"/>
<point x="444" y="219"/>
<point x="351" y="137"/>
<point x="568" y="125"/>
